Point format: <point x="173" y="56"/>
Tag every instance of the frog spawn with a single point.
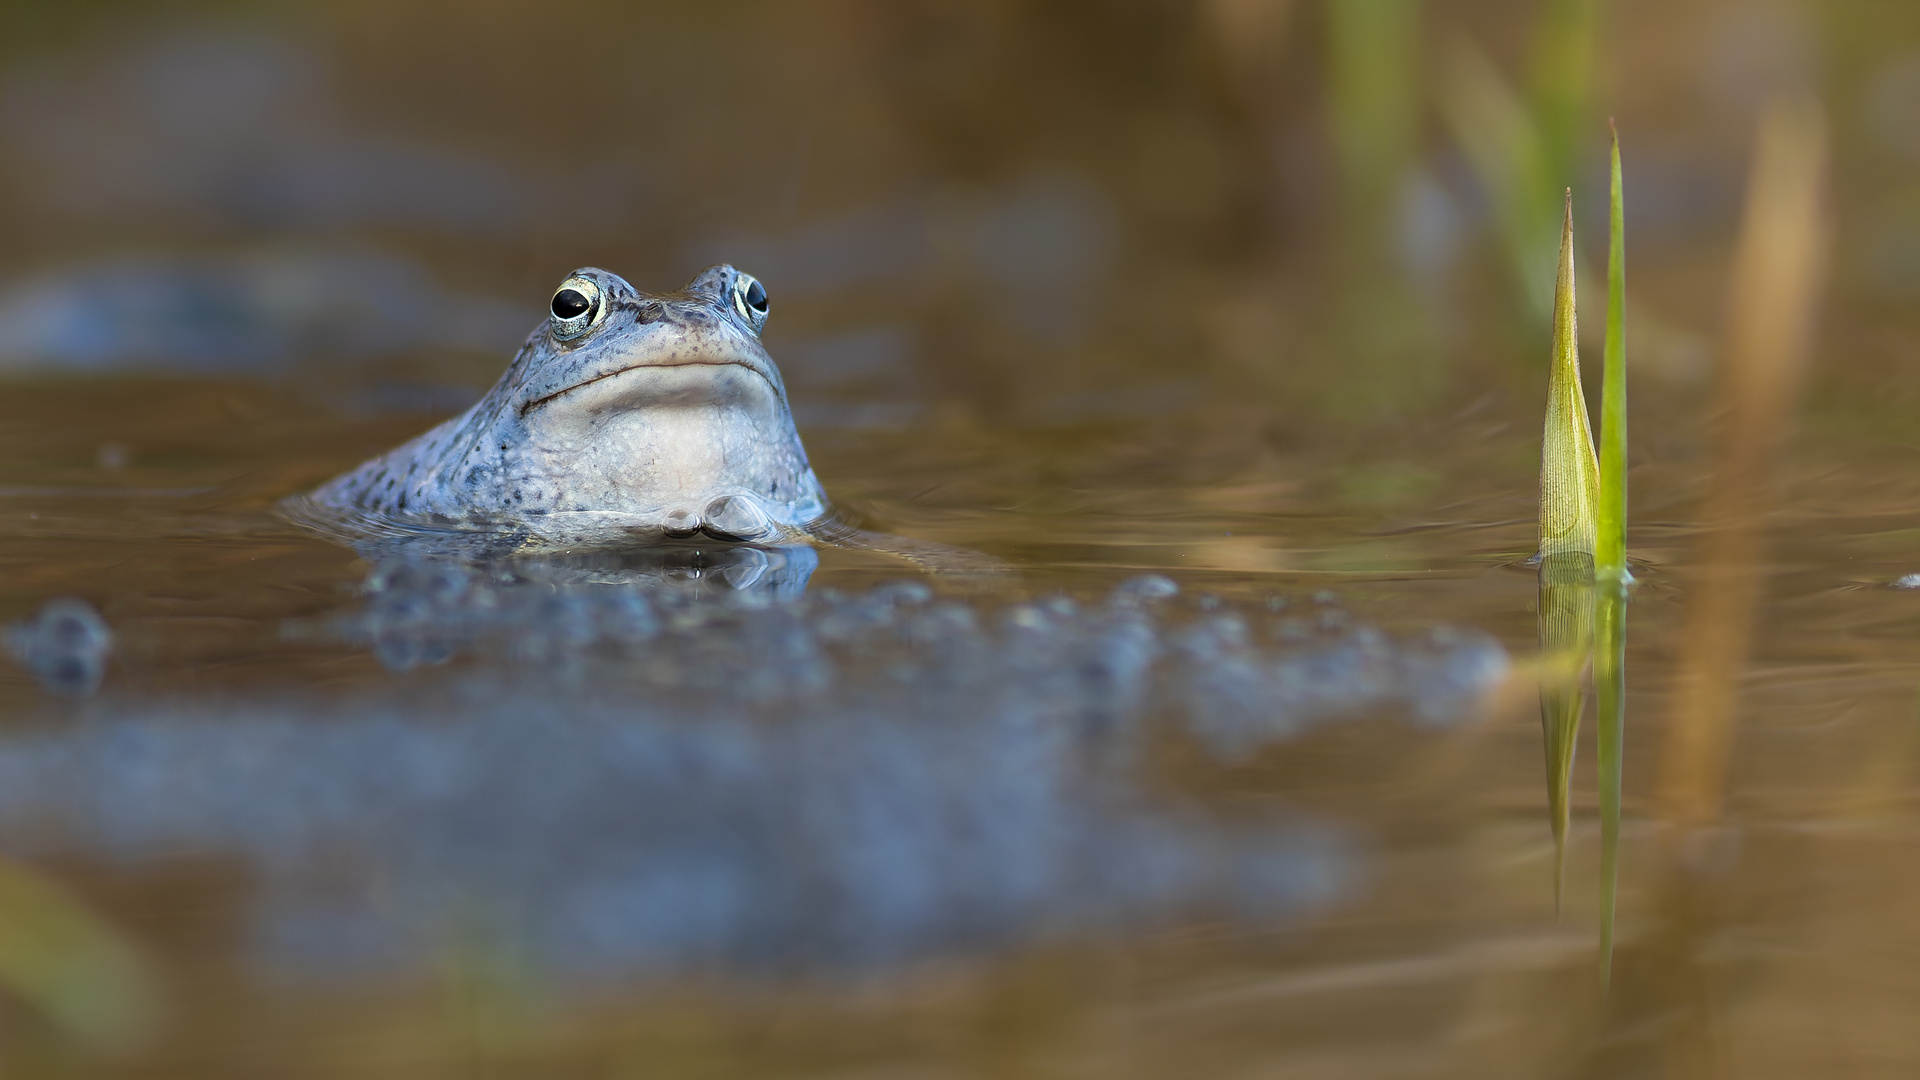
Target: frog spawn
<point x="624" y="771"/>
<point x="737" y="626"/>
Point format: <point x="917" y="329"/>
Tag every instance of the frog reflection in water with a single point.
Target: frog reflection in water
<point x="624" y="416"/>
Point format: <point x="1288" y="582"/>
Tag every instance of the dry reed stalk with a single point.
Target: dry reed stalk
<point x="1777" y="276"/>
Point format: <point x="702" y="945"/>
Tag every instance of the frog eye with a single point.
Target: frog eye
<point x="750" y="300"/>
<point x="577" y="306"/>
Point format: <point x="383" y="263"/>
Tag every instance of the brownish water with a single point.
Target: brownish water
<point x="1066" y="287"/>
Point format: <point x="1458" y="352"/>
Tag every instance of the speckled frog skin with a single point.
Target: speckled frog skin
<point x="624" y="415"/>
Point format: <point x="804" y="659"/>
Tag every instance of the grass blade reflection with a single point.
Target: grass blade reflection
<point x="1566" y="645"/>
<point x="1610" y="692"/>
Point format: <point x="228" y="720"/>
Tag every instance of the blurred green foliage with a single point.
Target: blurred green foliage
<point x="76" y="971"/>
<point x="1508" y="150"/>
<point x="1373" y="75"/>
<point x="1562" y="83"/>
<point x="1374" y="95"/>
<point x="1526" y="150"/>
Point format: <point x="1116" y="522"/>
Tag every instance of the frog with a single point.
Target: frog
<point x="625" y="417"/>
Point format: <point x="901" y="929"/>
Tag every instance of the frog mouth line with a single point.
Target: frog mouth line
<point x="532" y="405"/>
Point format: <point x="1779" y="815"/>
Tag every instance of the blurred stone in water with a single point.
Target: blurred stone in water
<point x="112" y="456"/>
<point x="876" y="247"/>
<point x="65" y="647"/>
<point x="237" y="128"/>
<point x="1887" y="105"/>
<point x="243" y="312"/>
<point x="1755" y="51"/>
<point x="1045" y="248"/>
<point x="865" y="378"/>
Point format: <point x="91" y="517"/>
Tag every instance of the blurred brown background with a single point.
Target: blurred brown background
<point x="1033" y="209"/>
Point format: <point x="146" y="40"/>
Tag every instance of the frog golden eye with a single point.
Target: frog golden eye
<point x="750" y="299"/>
<point x="577" y="306"/>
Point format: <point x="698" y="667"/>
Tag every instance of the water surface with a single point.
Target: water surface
<point x="1237" y="768"/>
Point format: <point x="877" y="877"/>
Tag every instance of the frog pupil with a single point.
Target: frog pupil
<point x="756" y="296"/>
<point x="569" y="304"/>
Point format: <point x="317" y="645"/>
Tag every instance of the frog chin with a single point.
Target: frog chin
<point x="666" y="435"/>
<point x="677" y="384"/>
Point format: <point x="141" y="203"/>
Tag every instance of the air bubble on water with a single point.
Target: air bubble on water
<point x="1143" y="589"/>
<point x="1027" y="617"/>
<point x="901" y="593"/>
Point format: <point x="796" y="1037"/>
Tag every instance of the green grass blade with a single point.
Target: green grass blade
<point x="1610" y="554"/>
<point x="1569" y="472"/>
<point x="1373" y="52"/>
